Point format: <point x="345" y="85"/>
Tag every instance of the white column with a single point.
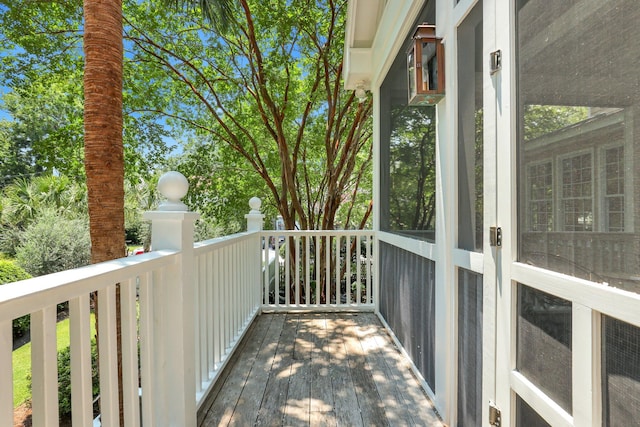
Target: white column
<point x="255" y="219"/>
<point x="173" y="307"/>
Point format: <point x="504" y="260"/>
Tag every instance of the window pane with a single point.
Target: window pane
<point x="578" y="147"/>
<point x="539" y="179"/>
<point x="614" y="191"/>
<point x="620" y="373"/>
<point x="544" y="324"/>
<point x="470" y="127"/>
<point x="577" y="200"/>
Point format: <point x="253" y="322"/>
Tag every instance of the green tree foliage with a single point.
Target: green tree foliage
<point x="25" y="201"/>
<point x="412" y="169"/>
<point x="53" y="244"/>
<point x="264" y="105"/>
<point x="543" y="119"/>
<point x="42" y="64"/>
<point x="139" y="197"/>
<point x="258" y="106"/>
<point x="46" y="130"/>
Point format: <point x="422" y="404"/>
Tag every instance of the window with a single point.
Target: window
<point x="614" y="189"/>
<point x="540" y="179"/>
<point x="577" y="197"/>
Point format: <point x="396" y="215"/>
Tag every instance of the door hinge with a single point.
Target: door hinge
<point x="495" y="59"/>
<point x="494" y="415"/>
<point x="495" y="236"/>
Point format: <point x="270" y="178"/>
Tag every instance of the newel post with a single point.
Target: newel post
<point x="255" y="218"/>
<point x="173" y="340"/>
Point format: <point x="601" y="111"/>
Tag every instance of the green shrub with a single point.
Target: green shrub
<point x="53" y="243"/>
<point x="10" y="239"/>
<point x="10" y="272"/>
<point x="64" y="378"/>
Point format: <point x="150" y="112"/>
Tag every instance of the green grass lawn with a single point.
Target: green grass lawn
<point x="22" y="362"/>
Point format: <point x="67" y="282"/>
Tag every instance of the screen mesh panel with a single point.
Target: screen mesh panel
<point x="469" y="348"/>
<point x="470" y="131"/>
<point x="407" y="303"/>
<point x="620" y="373"/>
<point x="579" y="138"/>
<point x="407" y="152"/>
<point x="527" y="417"/>
<point x="544" y="343"/>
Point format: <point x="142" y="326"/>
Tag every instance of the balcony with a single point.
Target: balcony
<point x="237" y="328"/>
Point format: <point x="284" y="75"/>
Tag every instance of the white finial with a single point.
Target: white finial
<point x="254" y="217"/>
<point x="174" y="186"/>
<point x="255" y="203"/>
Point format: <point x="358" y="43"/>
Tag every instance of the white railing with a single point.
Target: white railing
<point x="138" y="277"/>
<point x="227" y="300"/>
<point x="317" y="270"/>
<point x="183" y="310"/>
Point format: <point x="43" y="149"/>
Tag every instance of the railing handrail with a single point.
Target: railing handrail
<point x="358" y="232"/>
<point x="220" y="242"/>
<point x="27" y="296"/>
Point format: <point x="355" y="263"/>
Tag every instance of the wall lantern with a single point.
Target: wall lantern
<point x="425" y="65"/>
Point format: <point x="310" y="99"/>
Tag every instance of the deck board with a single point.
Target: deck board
<point x="318" y="369"/>
<point x="246" y="409"/>
<point x="345" y="395"/>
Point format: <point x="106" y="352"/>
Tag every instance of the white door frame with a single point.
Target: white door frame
<point x="506" y="203"/>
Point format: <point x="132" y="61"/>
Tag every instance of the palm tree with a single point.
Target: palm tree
<point x="103" y="148"/>
<point x="217" y="12"/>
<point x="21" y="203"/>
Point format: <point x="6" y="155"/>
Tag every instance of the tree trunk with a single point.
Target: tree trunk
<point x="103" y="150"/>
<point x="104" y="156"/>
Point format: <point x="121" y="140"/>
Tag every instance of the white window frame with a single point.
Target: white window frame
<point x="559" y="198"/>
<point x="601" y="214"/>
<point x="528" y="199"/>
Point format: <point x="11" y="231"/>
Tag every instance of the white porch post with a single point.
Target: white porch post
<point x="255" y="219"/>
<point x="173" y="338"/>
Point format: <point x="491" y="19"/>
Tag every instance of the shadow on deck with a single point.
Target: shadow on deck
<point x="321" y="369"/>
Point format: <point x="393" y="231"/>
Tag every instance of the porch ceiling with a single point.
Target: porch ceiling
<point x="363" y="19"/>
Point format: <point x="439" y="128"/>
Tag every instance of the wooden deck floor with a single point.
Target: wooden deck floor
<point x="326" y="369"/>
